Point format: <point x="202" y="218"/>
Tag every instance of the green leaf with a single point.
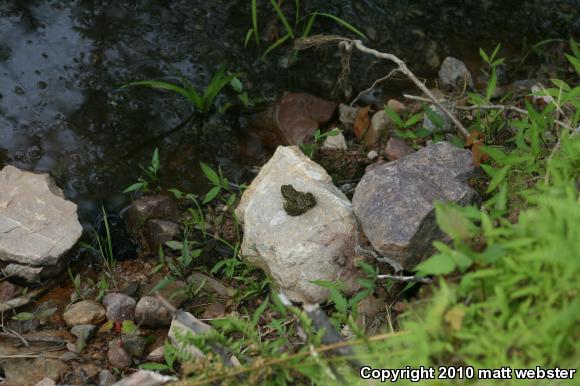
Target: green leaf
<point x="248" y="37"/>
<point x="154" y="366"/>
<point x="128" y="327"/>
<point x="394" y="117"/>
<point x="342" y="23"/>
<point x="483" y="55"/>
<point x="211" y="175"/>
<point x="453" y="222"/>
<point x="187" y="93"/>
<point x="491" y="85"/>
<point x="24" y="316"/>
<point x="237" y="85"/>
<point x="438" y="264"/>
<point x="162" y="284"/>
<point x="340" y="302"/>
<point x="259" y="311"/>
<point x="497" y="176"/>
<point x="254" y="5"/>
<point x="175" y="245"/>
<point x="134" y="187"/>
<point x="213" y="192"/>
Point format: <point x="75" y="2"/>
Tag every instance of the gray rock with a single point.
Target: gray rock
<point x="84" y="312"/>
<point x="118" y="356"/>
<point x="38" y="226"/>
<point x="454" y="75"/>
<point x="46" y="382"/>
<point x="106" y="378"/>
<point x="149" y="312"/>
<point x="119" y="307"/>
<point x="134" y="345"/>
<point x="335" y="142"/>
<point x="179" y="329"/>
<point x="158" y="232"/>
<point x="295" y="250"/>
<point x="145" y="378"/>
<point x="83" y="331"/>
<point x="394" y="202"/>
<point x="347" y="115"/>
<point x="157" y="355"/>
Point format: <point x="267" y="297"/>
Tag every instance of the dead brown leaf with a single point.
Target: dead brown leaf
<point x="362" y="122"/>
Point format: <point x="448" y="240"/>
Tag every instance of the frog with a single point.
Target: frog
<point x="295" y="202"/>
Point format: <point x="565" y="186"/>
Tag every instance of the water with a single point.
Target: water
<point x="63" y="62"/>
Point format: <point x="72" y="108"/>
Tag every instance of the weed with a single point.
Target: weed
<point x="302" y="25"/>
<point x="201" y="101"/>
<point x="309" y="148"/>
<point x="151" y="177"/>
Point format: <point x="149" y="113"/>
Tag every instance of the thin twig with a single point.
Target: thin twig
<point x="486" y="107"/>
<point x="405" y="279"/>
<point x="409" y="74"/>
<point x="391" y="73"/>
<point x="10" y="333"/>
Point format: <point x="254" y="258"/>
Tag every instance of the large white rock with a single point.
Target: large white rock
<point x="37" y="225"/>
<point x="295" y="250"/>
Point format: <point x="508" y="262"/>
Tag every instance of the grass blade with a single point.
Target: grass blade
<point x="278" y="43"/>
<point x="282" y="18"/>
<point x="308" y="26"/>
<point x="342" y="22"/>
<point x="187" y="93"/>
<point x="217" y="83"/>
<point x="255" y="21"/>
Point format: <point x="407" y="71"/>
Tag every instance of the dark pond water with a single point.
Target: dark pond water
<point x="62" y="63"/>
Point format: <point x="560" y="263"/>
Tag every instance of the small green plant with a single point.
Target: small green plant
<point x="309" y="148"/>
<point x="300" y="27"/>
<point x="201" y="101"/>
<point x="151" y="178"/>
<point x="243" y="96"/>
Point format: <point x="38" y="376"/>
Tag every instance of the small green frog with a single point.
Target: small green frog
<point x="295" y="202"/>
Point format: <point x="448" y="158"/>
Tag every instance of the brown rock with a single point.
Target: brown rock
<point x="380" y="124"/>
<point x="157" y="206"/>
<point x="214" y="310"/>
<point x="151" y="313"/>
<point x="396" y="106"/>
<point x="158" y="232"/>
<point x="118" y="357"/>
<point x="9" y="291"/>
<point x="397" y="148"/>
<point x="293" y="119"/>
<point x="84" y="312"/>
<point x="119" y="307"/>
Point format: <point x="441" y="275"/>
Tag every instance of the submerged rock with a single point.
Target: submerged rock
<point x="454" y="75"/>
<point x="294" y="119"/>
<point x="394" y="202"/>
<point x="38" y="226"/>
<point x="295" y="250"/>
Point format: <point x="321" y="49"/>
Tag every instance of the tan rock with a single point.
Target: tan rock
<point x="84" y="312"/>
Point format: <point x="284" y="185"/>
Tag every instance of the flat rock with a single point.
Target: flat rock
<point x="295" y="250"/>
<point x="454" y="75"/>
<point x="394" y="202"/>
<point x="293" y="119"/>
<point x="38" y="226"/>
<point x="145" y="378"/>
<point x="119" y="307"/>
<point x="335" y="142"/>
<point x="84" y="312"/>
<point x="151" y="313"/>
